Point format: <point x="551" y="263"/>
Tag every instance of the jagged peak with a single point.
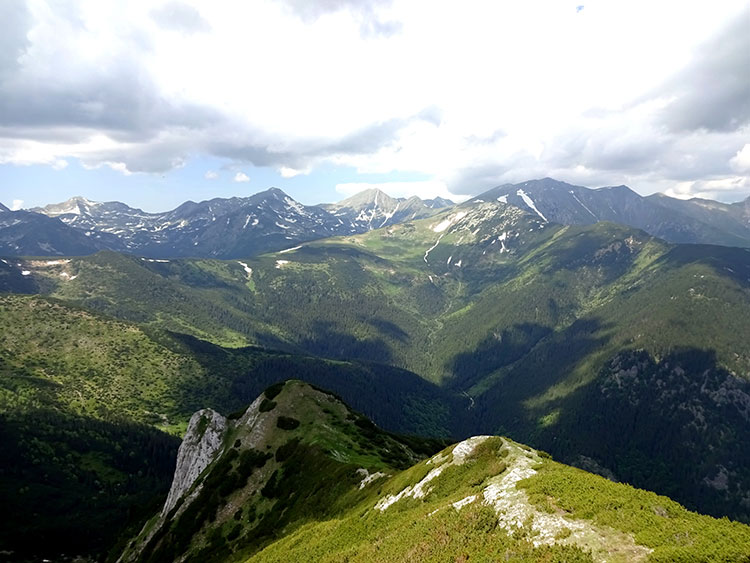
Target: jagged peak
<point x="374" y="196"/>
<point x="75" y="205"/>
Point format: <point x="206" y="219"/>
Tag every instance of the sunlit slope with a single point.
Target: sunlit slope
<point x="300" y="477"/>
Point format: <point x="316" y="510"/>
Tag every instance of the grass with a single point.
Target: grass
<point x="674" y="533"/>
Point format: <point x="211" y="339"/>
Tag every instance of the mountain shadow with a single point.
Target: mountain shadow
<point x="494" y="352"/>
<point x="329" y="341"/>
<point x="679" y="425"/>
<point x="502" y="408"/>
<point x="396" y="399"/>
<point x="726" y="261"/>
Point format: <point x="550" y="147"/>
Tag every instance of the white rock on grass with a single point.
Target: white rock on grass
<point x="459" y="454"/>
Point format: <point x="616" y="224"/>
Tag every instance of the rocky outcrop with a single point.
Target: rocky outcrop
<point x="203" y="440"/>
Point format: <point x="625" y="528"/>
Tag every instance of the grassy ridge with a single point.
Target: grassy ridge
<point x="609" y="521"/>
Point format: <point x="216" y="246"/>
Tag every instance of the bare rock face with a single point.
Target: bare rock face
<point x="203" y="439"/>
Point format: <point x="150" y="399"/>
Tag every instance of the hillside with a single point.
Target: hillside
<point x="292" y="456"/>
<point x="32" y="234"/>
<point x="524" y="324"/>
<point x="329" y="486"/>
<point x="90" y="407"/>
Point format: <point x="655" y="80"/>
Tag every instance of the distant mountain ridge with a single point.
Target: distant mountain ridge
<point x="675" y="220"/>
<point x="269" y="221"/>
<point x="221" y="227"/>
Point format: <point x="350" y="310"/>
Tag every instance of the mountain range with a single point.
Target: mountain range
<point x="533" y="329"/>
<point x="614" y="350"/>
<point x="241" y="227"/>
<point x="222" y="228"/>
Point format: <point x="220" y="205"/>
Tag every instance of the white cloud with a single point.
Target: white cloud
<point x="211" y="175"/>
<point x="520" y="90"/>
<point x="241" y="177"/>
<point x="17" y="204"/>
<point x="287" y="172"/>
<point x="741" y="161"/>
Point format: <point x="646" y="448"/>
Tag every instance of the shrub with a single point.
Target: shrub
<point x="287" y="423"/>
<point x="266" y="405"/>
<point x="274" y="390"/>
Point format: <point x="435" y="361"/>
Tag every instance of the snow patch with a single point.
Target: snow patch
<point x="248" y="269"/>
<point x="445" y="223"/>
<point x="583" y="205"/>
<point x="503" y="199"/>
<point x="25" y="273"/>
<point x="294" y="205"/>
<point x="289" y="249"/>
<point x="530" y="202"/>
<point x="432" y="248"/>
<point x="56" y="262"/>
<point x="281" y="263"/>
<point x="389" y="215"/>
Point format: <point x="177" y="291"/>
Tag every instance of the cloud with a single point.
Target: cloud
<point x="17" y="204"/>
<point x="299" y="85"/>
<point x="292" y="172"/>
<point x="713" y="91"/>
<point x="241" y="177"/>
<point x="15" y="21"/>
<point x="178" y="16"/>
<point x="366" y="12"/>
<point x="741" y="161"/>
<point x="211" y="175"/>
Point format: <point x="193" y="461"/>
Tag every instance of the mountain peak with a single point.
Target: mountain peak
<point x="270" y="193"/>
<point x="76" y="205"/>
<point x="374" y="196"/>
<point x="622" y="188"/>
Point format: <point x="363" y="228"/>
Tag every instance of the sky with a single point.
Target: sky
<point x="154" y="103"/>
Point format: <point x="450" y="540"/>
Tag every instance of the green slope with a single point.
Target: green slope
<point x="297" y="454"/>
<point x="507" y="502"/>
<point x="300" y="477"/>
<point x="85" y="402"/>
<point x="523" y="319"/>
